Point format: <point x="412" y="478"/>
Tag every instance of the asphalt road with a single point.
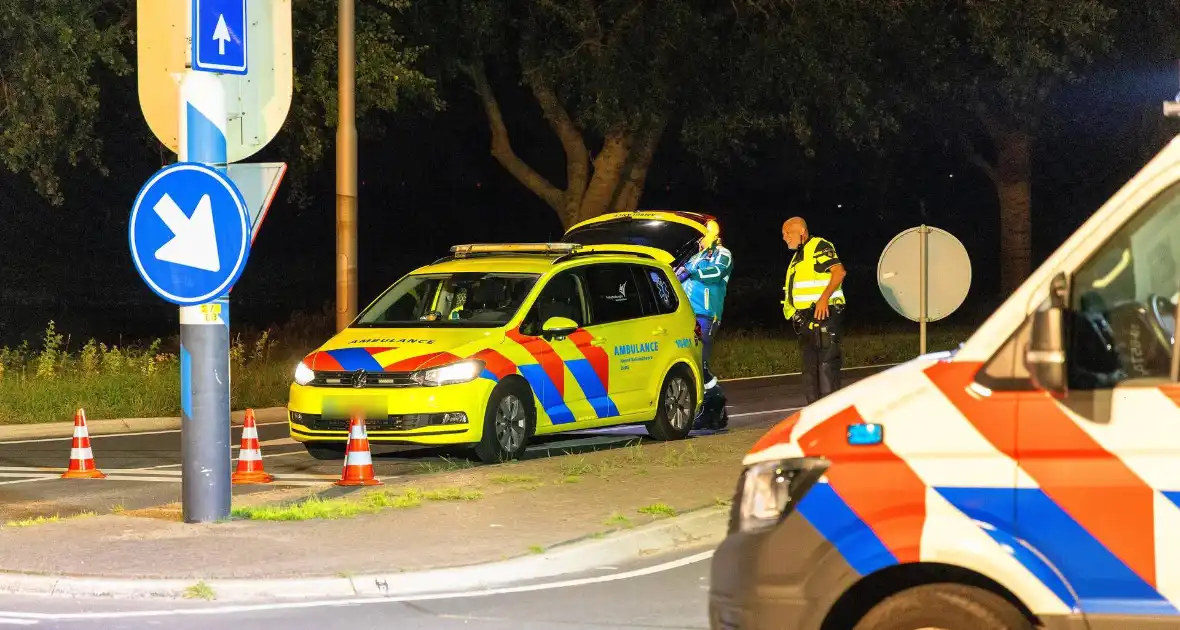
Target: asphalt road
<point x="670" y="591"/>
<point x="144" y="468"/>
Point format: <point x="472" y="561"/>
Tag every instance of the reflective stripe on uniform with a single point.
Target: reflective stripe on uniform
<point x="809" y="274"/>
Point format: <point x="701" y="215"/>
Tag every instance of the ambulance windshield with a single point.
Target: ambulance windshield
<point x="441" y="300"/>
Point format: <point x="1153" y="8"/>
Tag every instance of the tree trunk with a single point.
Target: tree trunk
<point x="1013" y="174"/>
<point x="608" y="176"/>
<point x="636" y="177"/>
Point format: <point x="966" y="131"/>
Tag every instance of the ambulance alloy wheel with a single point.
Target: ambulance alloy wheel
<point x="944" y="607"/>
<point x="507" y="424"/>
<point x="326" y="450"/>
<point x="676" y="407"/>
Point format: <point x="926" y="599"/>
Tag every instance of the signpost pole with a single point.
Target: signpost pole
<point x="204" y="329"/>
<point x="923" y="287"/>
<point x="346" y="254"/>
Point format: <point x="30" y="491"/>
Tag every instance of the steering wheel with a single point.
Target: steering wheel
<point x="1163" y="319"/>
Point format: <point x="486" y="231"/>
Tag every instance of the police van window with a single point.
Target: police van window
<point x="561" y="297"/>
<point x="614" y="295"/>
<point x="1123" y="301"/>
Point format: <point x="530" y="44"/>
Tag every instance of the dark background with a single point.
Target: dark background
<point x="431" y="183"/>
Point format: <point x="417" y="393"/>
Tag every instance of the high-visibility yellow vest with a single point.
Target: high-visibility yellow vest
<point x="808" y="275"/>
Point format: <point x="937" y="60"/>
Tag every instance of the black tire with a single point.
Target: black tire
<point x="326" y="451"/>
<point x="675" y="408"/>
<point x="505" y="438"/>
<point x="947" y="607"/>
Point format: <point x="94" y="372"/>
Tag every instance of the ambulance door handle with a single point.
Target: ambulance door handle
<point x="659" y="330"/>
<point x="598" y="341"/>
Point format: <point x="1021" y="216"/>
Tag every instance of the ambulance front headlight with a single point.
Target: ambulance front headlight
<point x="451" y="374"/>
<point x="303" y="374"/>
<point x="769" y="489"/>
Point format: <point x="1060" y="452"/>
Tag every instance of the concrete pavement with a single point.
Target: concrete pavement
<point x="144" y="465"/>
<point x="669" y="591"/>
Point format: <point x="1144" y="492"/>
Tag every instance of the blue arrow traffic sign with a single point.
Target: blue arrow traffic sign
<point x="189" y="233"/>
<point x="219" y="36"/>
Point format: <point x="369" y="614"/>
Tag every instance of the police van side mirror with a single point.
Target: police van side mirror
<point x="1045" y="356"/>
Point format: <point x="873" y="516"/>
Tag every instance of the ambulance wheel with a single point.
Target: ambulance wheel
<point x="326" y="451"/>
<point x="945" y="607"/>
<point x="676" y="407"/>
<point x="507" y="424"/>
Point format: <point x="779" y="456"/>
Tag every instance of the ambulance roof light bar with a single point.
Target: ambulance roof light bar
<point x="463" y="251"/>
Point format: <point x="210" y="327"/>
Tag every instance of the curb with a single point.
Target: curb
<point x="693" y="529"/>
<point x="126" y="426"/>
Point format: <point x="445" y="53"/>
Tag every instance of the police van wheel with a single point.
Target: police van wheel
<point x="944" y="607"/>
<point x="508" y="422"/>
<point x="676" y="407"/>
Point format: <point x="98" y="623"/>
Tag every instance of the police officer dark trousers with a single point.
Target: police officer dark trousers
<point x="814" y="303"/>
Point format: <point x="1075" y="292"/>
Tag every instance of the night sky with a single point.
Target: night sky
<point x="431" y="183"/>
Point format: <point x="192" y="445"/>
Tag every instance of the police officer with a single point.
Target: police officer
<point x="815" y="306"/>
<point x="705" y="278"/>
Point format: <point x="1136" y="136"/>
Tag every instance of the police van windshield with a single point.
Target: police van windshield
<point x="440" y="300"/>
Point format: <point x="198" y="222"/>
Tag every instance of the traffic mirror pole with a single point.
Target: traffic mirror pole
<point x="346" y="168"/>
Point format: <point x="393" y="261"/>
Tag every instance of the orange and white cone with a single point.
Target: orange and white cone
<point x="250" y="468"/>
<point x="358" y="460"/>
<point x="81" y="457"/>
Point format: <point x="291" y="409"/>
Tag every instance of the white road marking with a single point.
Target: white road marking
<point x="115" y="435"/>
<point x="18" y="622"/>
<point x="769" y="376"/>
<point x="763" y="413"/>
<point x="35" y="473"/>
<point x="360" y="601"/>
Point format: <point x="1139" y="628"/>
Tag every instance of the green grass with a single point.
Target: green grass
<point x="331" y="509"/>
<point x="42" y="520"/>
<point x="740" y="353"/>
<point x="48" y="380"/>
<point x="658" y="510"/>
<point x="349" y="507"/>
<point x="200" y="590"/>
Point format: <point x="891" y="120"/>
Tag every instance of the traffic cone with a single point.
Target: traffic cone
<point x="81" y="457"/>
<point x="358" y="461"/>
<point x="250" y="455"/>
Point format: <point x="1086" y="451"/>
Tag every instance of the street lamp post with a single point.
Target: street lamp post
<point x="346" y="189"/>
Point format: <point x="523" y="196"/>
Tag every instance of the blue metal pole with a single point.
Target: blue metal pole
<point x="204" y="330"/>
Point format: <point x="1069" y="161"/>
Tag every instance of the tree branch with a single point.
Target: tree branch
<point x="635" y="176"/>
<point x="501" y="147"/>
<point x="977" y="160"/>
<point x="577" y="158"/>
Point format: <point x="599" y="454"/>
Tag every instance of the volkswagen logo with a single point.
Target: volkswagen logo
<point x="360" y="378"/>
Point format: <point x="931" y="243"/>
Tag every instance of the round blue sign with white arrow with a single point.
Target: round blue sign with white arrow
<point x="189" y="233"/>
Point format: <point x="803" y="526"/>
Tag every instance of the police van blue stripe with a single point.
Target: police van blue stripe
<point x="1103" y="583"/>
<point x="993" y="510"/>
<point x="837" y="523"/>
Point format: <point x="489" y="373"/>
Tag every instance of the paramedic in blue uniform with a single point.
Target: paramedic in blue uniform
<point x="706" y="277"/>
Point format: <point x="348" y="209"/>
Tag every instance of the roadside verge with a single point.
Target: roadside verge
<point x="460" y="528"/>
<point x="697" y="529"/>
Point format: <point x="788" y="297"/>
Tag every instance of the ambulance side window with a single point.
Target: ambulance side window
<point x="614" y="296"/>
<point x="561" y="297"/>
<point x="664" y="296"/>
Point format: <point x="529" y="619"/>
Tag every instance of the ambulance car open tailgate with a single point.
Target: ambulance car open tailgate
<point x="669" y="236"/>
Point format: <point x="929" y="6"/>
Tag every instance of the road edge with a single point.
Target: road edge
<point x="689" y="530"/>
<point x="264" y="415"/>
<point x="124" y="426"/>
